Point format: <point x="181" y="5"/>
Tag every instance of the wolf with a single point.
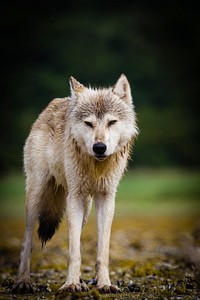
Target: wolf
<point x="76" y="152"/>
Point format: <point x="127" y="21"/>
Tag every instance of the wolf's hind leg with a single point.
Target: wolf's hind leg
<point x="23" y="283"/>
<point x="46" y="202"/>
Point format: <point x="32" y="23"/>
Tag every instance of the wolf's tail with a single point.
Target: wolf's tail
<point x="53" y="204"/>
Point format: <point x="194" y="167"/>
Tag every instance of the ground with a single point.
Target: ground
<point x="153" y="255"/>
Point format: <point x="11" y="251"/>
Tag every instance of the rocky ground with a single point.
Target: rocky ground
<point x="155" y="257"/>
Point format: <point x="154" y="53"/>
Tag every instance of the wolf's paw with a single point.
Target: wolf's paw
<point x="23" y="287"/>
<point x="108" y="289"/>
<point x="74" y="288"/>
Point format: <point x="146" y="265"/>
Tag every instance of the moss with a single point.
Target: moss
<point x="144" y="269"/>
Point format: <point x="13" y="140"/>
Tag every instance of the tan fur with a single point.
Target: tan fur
<point x="65" y="166"/>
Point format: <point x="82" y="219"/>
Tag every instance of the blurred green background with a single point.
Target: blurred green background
<point x="155" y="43"/>
<point x="142" y="192"/>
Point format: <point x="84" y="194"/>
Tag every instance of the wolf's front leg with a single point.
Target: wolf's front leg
<point x="105" y="206"/>
<point x="75" y="215"/>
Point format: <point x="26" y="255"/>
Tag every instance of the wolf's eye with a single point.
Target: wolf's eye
<point x="112" y="122"/>
<point x="89" y="124"/>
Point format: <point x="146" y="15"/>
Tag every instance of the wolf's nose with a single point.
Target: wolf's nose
<point x="99" y="148"/>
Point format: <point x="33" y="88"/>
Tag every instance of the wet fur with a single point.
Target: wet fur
<point x="64" y="173"/>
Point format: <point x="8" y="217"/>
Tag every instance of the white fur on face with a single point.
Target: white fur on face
<point x="114" y="135"/>
<point x="102" y="116"/>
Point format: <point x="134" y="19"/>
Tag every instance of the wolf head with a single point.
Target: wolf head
<point x="102" y="120"/>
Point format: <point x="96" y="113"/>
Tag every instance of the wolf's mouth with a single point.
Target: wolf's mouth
<point x="101" y="157"/>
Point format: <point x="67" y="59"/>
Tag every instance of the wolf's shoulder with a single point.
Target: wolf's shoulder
<point x="54" y="115"/>
<point x="56" y="108"/>
<point x="58" y="104"/>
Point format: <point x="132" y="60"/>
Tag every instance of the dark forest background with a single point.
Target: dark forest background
<point x="155" y="43"/>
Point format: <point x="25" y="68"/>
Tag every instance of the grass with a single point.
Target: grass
<point x="12" y="195"/>
<point x="157" y="191"/>
<point x="165" y="191"/>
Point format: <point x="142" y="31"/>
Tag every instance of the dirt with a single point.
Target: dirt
<point x="150" y="258"/>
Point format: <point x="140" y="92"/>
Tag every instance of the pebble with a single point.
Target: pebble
<point x="133" y="287"/>
<point x="120" y="283"/>
<point x="87" y="269"/>
<point x="92" y="281"/>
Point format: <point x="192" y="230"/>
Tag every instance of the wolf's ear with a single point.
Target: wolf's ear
<point x="76" y="87"/>
<point x="123" y="90"/>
